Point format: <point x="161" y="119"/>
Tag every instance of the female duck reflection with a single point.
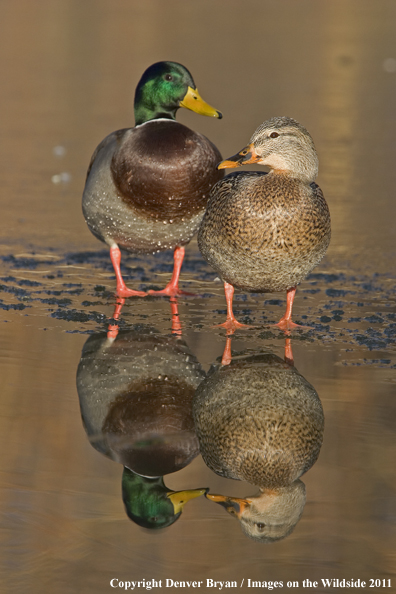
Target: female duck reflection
<point x="135" y="396"/>
<point x="258" y="420"/>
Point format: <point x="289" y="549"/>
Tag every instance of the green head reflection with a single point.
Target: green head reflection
<point x="150" y="504"/>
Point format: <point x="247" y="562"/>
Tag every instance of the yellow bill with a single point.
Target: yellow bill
<point x="180" y="498"/>
<point x="193" y="100"/>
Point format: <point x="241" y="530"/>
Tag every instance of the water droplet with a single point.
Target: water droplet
<point x="59" y="151"/>
<point x="389" y="65"/>
<point x="61" y="178"/>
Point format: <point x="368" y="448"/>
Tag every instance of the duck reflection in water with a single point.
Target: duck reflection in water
<point x="136" y="394"/>
<point x="260" y="421"/>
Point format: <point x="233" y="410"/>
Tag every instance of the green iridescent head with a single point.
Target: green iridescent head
<point x="149" y="503"/>
<point x="163" y="88"/>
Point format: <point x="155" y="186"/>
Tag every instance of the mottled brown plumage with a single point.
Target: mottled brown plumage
<point x="260" y="421"/>
<point x="265" y="232"/>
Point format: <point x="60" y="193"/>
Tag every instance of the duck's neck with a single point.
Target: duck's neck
<point x="299" y="167"/>
<point x="148" y="106"/>
<point x="144" y="114"/>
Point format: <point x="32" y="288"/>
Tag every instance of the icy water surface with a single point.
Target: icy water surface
<point x="74" y="516"/>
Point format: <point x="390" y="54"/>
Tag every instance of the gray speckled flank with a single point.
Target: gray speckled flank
<point x="139" y="386"/>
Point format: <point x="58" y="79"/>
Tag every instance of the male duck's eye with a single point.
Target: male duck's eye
<point x="168" y="77"/>
<point x="274" y="135"/>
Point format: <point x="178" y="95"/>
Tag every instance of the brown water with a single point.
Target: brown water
<point x="69" y="70"/>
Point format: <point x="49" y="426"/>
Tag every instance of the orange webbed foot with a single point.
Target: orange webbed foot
<point x="286" y="325"/>
<point x="232" y="324"/>
<point x="125" y="293"/>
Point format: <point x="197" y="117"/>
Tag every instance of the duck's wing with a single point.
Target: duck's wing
<point x="113" y="137"/>
<point x="232" y="183"/>
<point x="322" y="208"/>
<point x="318" y="193"/>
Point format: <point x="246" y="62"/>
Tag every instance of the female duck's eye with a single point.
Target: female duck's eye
<point x="168" y="77"/>
<point x="274" y="135"/>
<point x="261" y="527"/>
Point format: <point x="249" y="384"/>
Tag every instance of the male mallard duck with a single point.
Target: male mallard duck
<point x="266" y="232"/>
<point x="135" y="395"/>
<point x="147" y="187"/>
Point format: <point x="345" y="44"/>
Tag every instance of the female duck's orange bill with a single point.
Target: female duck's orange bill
<point x="234" y="505"/>
<point x="246" y="156"/>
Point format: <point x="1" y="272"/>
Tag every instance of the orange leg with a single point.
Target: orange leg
<point x="286" y="323"/>
<point x="122" y="290"/>
<point x="172" y="288"/>
<point x="176" y="325"/>
<point x="112" y="330"/>
<point x="226" y="358"/>
<point x="231" y="322"/>
<point x="288" y="352"/>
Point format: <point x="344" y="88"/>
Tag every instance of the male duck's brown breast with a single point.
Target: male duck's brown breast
<point x="165" y="169"/>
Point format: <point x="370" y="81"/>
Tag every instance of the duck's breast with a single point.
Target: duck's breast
<point x="264" y="233"/>
<point x="147" y="187"/>
<point x="165" y="169"/>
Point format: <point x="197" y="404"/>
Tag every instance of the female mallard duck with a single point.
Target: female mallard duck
<point x="147" y="187"/>
<point x="266" y="232"/>
<point x="259" y="420"/>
